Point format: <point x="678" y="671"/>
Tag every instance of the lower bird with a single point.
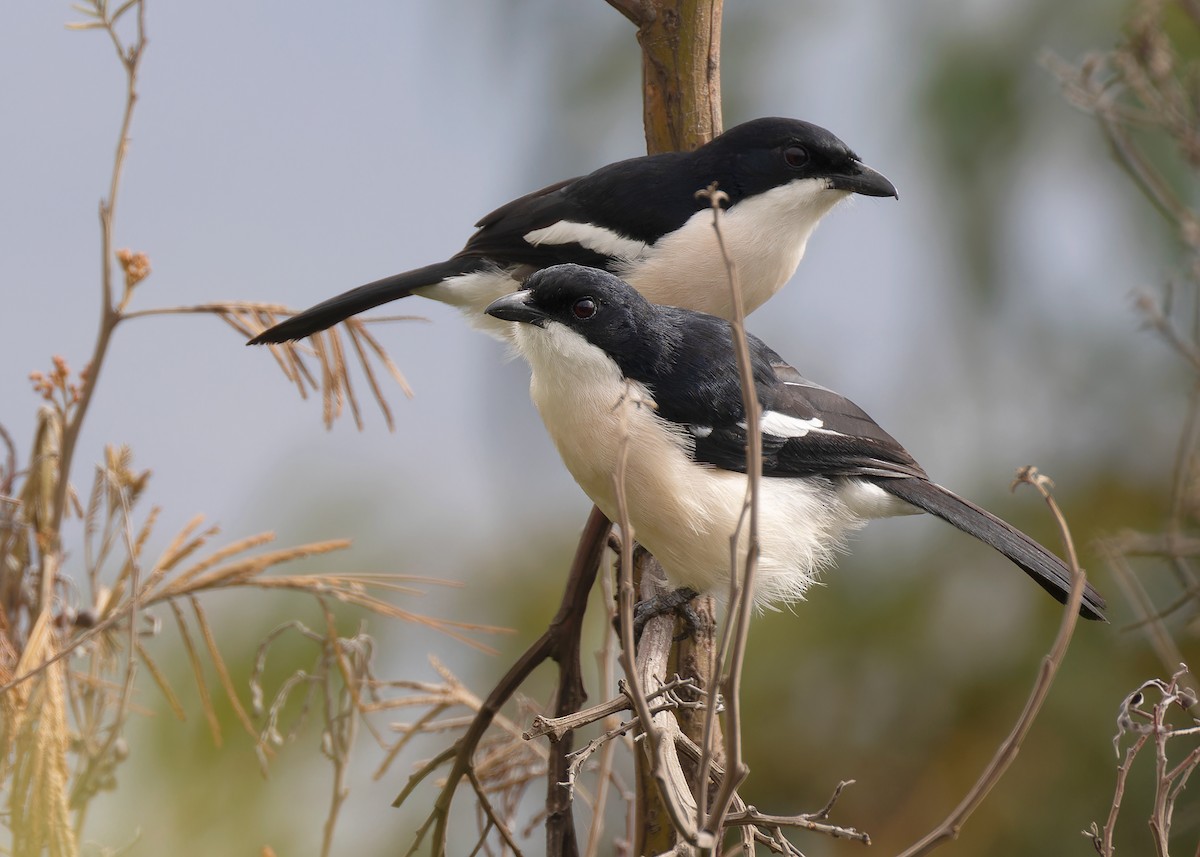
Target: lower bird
<point x="610" y="368"/>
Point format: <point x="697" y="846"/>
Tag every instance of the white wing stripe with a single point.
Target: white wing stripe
<point x="782" y="425"/>
<point x="588" y="235"/>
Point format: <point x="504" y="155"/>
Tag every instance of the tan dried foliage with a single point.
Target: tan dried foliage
<point x="78" y="627"/>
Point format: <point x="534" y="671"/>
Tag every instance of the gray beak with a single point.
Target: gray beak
<point x="862" y="179"/>
<point x="516" y="307"/>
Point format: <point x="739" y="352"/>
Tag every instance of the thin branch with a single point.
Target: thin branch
<point x="605" y="778"/>
<point x="557" y="727"/>
<point x="667" y="778"/>
<point x="805" y="821"/>
<point x="741" y="581"/>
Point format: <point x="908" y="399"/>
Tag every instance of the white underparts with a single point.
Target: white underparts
<point x="868" y="500"/>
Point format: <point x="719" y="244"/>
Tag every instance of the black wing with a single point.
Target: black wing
<point x="500" y="235"/>
<point x="640" y="200"/>
<point x="807" y="429"/>
<point x="844" y="440"/>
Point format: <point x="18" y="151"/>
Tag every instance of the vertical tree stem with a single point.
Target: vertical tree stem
<point x="681" y="110"/>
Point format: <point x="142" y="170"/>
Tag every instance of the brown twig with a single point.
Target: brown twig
<point x="639" y="12"/>
<point x="662" y="785"/>
<point x="671" y="795"/>
<point x="493" y="816"/>
<point x="556" y="727"/>
<point x="1103" y="840"/>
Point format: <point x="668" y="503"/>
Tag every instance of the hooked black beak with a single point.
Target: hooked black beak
<point x="862" y="179"/>
<point x="516" y="307"/>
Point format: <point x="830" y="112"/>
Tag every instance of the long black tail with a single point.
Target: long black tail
<point x="328" y="313"/>
<point x="1050" y="572"/>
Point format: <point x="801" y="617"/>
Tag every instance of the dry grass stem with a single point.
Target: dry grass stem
<point x="197" y="665"/>
<point x="218" y="662"/>
<point x="605" y="778"/>
<point x="332" y="375"/>
<point x="112" y="623"/>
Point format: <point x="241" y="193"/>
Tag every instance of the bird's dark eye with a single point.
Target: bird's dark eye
<point x="795" y="156"/>
<point x="584" y="308"/>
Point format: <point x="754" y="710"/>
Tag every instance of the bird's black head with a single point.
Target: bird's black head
<point x="598" y="306"/>
<point x="767" y="153"/>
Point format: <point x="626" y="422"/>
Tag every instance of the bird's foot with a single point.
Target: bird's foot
<point x="678" y="602"/>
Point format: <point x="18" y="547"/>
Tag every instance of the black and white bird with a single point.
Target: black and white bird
<point x="640" y="219"/>
<point x="609" y="365"/>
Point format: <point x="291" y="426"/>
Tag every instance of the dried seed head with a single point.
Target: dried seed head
<point x="135" y="265"/>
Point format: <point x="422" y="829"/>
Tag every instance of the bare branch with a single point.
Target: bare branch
<point x="566" y="623"/>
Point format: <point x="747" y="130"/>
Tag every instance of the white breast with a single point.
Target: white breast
<point x="765" y="235"/>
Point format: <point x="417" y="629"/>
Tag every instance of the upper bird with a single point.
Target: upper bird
<point x="641" y="220"/>
<point x="608" y="365"/>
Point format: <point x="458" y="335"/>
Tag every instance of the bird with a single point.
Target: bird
<point x="612" y="371"/>
<point x="640" y="218"/>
